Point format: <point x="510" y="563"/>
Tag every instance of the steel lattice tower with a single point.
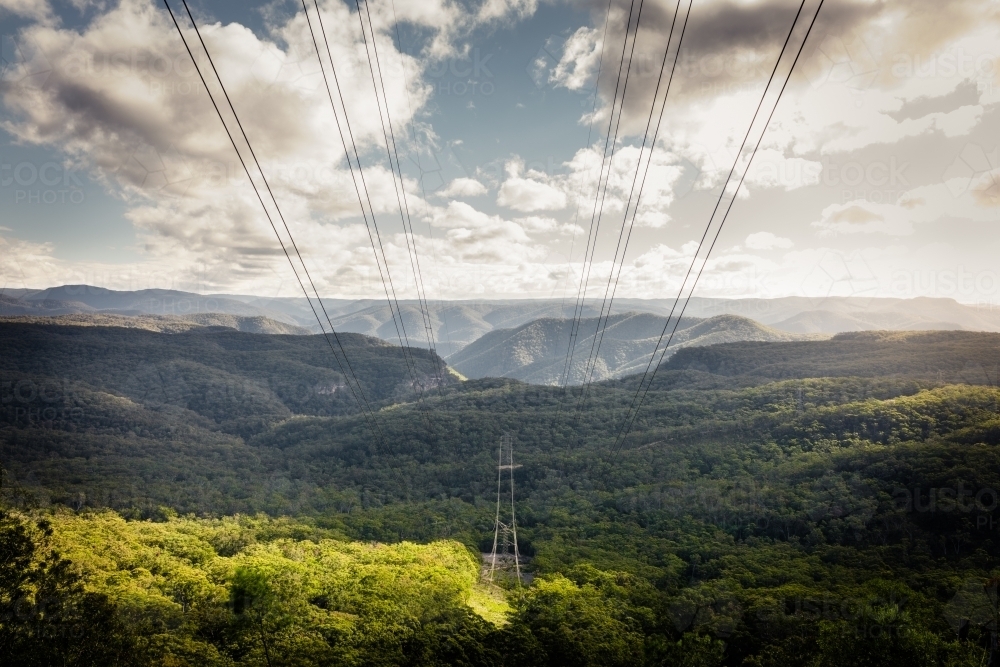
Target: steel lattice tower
<point x="505" y="534"/>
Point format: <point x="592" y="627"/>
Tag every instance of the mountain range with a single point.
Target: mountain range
<point x="536" y="352"/>
<point x="166" y="323"/>
<point x="457" y="324"/>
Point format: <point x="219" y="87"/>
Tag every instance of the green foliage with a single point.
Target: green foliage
<point x="46" y="616"/>
<point x="813" y="504"/>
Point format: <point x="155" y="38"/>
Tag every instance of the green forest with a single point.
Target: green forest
<point x="212" y="498"/>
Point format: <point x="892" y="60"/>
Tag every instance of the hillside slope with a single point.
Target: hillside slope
<point x="77" y="299"/>
<point x="165" y="323"/>
<point x="536" y="352"/>
<point x="210" y="373"/>
<point x="458" y="323"/>
<point x="965" y="357"/>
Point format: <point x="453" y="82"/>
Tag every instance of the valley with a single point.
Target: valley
<point x="790" y="501"/>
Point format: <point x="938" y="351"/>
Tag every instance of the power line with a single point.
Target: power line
<point x="401" y="334"/>
<point x="358" y="394"/>
<point x="592" y="234"/>
<point x="413" y="134"/>
<point x="404" y="204"/>
<point x="564" y="377"/>
<point x="604" y="194"/>
<point x="630" y="413"/>
<point x="595" y="353"/>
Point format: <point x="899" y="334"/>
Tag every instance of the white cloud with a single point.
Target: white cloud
<point x="879" y="80"/>
<point x="529" y="194"/>
<point x="39" y="10"/>
<point x="864" y="217"/>
<point x="143" y="126"/>
<point x="494" y="10"/>
<point x="542" y="225"/>
<point x="580" y="184"/>
<point x="463" y="187"/>
<point x="579" y="59"/>
<point x="767" y="241"/>
<point x="771" y="168"/>
<point x="475" y="235"/>
<point x="975" y="199"/>
<point x="879" y="76"/>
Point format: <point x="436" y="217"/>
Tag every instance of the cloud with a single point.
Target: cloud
<point x="541" y="225"/>
<point x="529" y="194"/>
<point x="38" y="10"/>
<point x="578" y="60"/>
<point x="123" y="103"/>
<point x="863" y="217"/>
<point x="767" y="241"/>
<point x="864" y="63"/>
<point x="463" y="187"/>
<point x="771" y="169"/>
<point x="496" y="10"/>
<point x="580" y="184"/>
<point x="971" y="199"/>
<point x="117" y="97"/>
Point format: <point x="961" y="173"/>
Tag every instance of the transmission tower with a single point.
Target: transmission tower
<point x="505" y="534"/>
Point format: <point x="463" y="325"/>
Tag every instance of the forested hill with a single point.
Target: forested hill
<point x="225" y="376"/>
<point x="163" y="323"/>
<point x="942" y="356"/>
<point x="818" y="521"/>
<point x="536" y="351"/>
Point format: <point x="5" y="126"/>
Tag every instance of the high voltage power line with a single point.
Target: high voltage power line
<point x="377" y="237"/>
<point x="609" y="292"/>
<point x="564" y="378"/>
<point x="345" y="366"/>
<point x="411" y="242"/>
<point x="603" y="181"/>
<point x="591" y="247"/>
<point x="643" y="387"/>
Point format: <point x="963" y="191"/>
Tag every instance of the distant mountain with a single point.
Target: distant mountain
<point x="165" y="323"/>
<point x="455" y="323"/>
<point x="965" y="357"/>
<point x="894" y="319"/>
<point x="536" y="352"/>
<point x="458" y="323"/>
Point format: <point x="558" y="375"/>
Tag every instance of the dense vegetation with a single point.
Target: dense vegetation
<point x="832" y="504"/>
<point x="535" y="352"/>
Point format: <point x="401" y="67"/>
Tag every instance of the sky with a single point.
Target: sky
<point x="878" y="174"/>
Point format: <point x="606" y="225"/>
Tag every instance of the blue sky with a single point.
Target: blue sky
<point x="878" y="175"/>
